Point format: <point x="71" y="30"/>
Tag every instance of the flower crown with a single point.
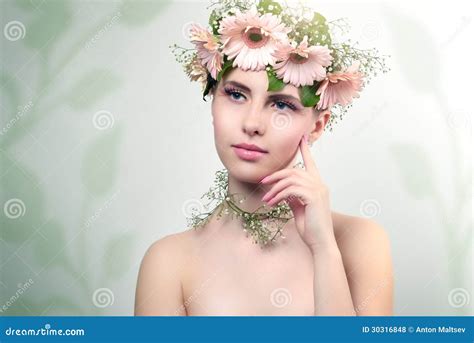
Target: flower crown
<point x="294" y="46"/>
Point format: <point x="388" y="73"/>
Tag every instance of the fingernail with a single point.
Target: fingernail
<point x="264" y="179"/>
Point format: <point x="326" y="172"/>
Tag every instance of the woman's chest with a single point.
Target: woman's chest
<point x="241" y="281"/>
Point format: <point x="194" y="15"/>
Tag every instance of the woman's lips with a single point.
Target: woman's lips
<point x="248" y="155"/>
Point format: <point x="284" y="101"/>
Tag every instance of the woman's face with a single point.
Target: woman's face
<point x="244" y="112"/>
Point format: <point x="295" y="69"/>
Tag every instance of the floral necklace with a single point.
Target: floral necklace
<point x="264" y="227"/>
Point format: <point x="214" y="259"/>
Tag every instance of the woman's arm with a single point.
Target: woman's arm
<point x="366" y="254"/>
<point x="159" y="290"/>
<point x="332" y="296"/>
<point x="365" y="286"/>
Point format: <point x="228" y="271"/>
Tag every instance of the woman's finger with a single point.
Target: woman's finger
<point x="281" y="184"/>
<point x="309" y="163"/>
<point x="290" y="192"/>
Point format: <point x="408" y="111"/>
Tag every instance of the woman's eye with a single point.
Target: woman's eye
<point x="235" y="95"/>
<point x="283" y="105"/>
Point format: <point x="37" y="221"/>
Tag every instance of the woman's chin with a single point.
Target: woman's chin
<point x="247" y="172"/>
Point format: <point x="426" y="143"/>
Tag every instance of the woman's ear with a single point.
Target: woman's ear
<point x="322" y="118"/>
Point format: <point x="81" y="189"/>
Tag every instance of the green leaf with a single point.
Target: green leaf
<point x="225" y="68"/>
<point x="415" y="168"/>
<point x="274" y="83"/>
<point x="308" y="95"/>
<point x="91" y="88"/>
<point x="118" y="255"/>
<point x="99" y="167"/>
<point x="269" y="6"/>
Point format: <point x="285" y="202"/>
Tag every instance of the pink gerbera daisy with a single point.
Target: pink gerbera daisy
<point x="301" y="65"/>
<point x="251" y="39"/>
<point x="207" y="46"/>
<point x="340" y="87"/>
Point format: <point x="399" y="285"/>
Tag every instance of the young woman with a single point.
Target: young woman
<point x="325" y="263"/>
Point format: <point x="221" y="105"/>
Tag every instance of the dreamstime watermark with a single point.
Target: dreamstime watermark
<point x="281" y="297"/>
<point x="103" y="29"/>
<point x="103" y="120"/>
<point x="100" y="210"/>
<point x="376" y="290"/>
<point x="459" y="297"/>
<point x="103" y="297"/>
<point x="374" y="114"/>
<point x="465" y="21"/>
<point x="281" y="121"/>
<point x="186" y="29"/>
<point x="46" y="331"/>
<point x="459" y="120"/>
<point x="19" y="292"/>
<point x="22" y="110"/>
<point x="14" y="208"/>
<point x="370" y="31"/>
<point x="192" y="207"/>
<point x="194" y="295"/>
<point x="370" y="208"/>
<point x="14" y="30"/>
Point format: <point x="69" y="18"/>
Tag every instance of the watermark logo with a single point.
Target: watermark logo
<point x="103" y="297"/>
<point x="103" y="120"/>
<point x="14" y="30"/>
<point x="14" y="208"/>
<point x="370" y="208"/>
<point x="281" y="297"/>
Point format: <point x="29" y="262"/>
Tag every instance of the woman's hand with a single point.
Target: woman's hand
<point x="307" y="197"/>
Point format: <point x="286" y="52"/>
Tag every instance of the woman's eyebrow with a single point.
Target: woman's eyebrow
<point x="239" y="85"/>
<point x="279" y="96"/>
<point x="272" y="97"/>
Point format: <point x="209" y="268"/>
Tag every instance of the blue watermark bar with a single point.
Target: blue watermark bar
<point x="237" y="329"/>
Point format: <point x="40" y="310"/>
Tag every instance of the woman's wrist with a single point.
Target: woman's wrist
<point x="326" y="248"/>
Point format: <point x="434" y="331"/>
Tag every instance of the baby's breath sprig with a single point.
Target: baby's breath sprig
<point x="264" y="227"/>
<point x="371" y="62"/>
<point x="303" y="28"/>
<point x="183" y="55"/>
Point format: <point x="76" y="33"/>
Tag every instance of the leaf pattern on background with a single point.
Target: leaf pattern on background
<point x="47" y="27"/>
<point x="92" y="88"/>
<point x="47" y="24"/>
<point x="415" y="168"/>
<point x="99" y="166"/>
<point x="413" y="43"/>
<point x="421" y="66"/>
<point x="138" y="13"/>
<point x="18" y="182"/>
<point x="118" y="252"/>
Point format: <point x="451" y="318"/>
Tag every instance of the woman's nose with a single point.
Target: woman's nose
<point x="254" y="122"/>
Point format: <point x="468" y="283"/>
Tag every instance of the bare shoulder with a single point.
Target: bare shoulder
<point x="366" y="252"/>
<point x="352" y="229"/>
<point x="159" y="286"/>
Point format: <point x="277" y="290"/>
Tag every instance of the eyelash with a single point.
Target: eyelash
<point x="232" y="91"/>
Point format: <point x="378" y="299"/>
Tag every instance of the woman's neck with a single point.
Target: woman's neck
<point x="251" y="193"/>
